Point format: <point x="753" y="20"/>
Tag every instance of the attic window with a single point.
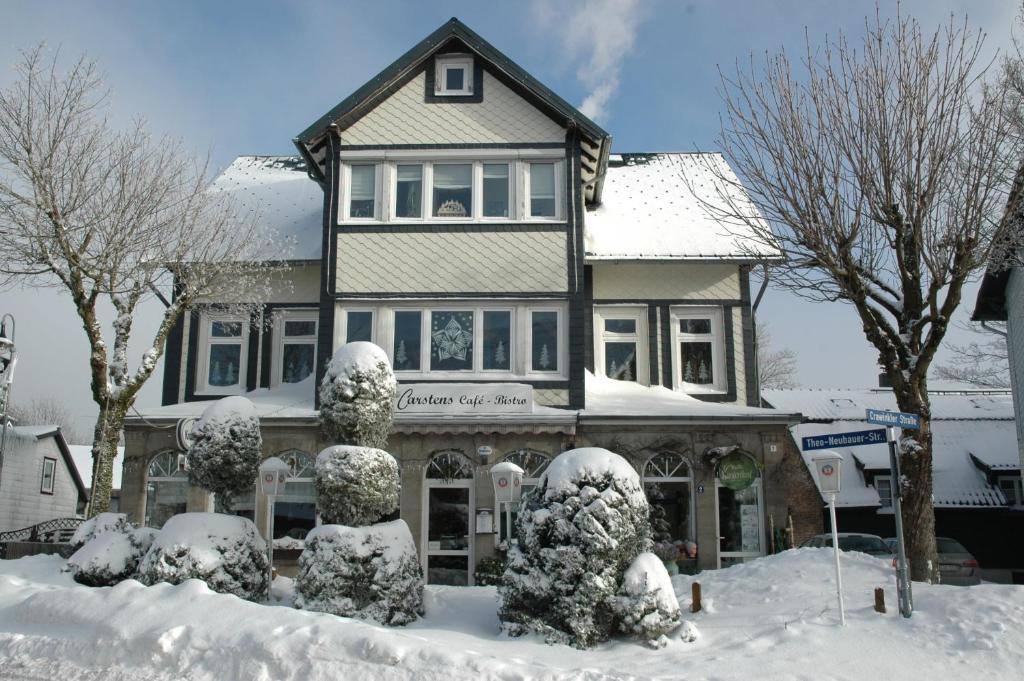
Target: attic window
<point x="453" y="76"/>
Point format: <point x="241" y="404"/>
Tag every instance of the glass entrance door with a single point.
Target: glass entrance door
<point x="740" y="523"/>
<point x="448" y="554"/>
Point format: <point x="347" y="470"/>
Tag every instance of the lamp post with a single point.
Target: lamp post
<point x="273" y="476"/>
<point x="8" y="360"/>
<point x="828" y="466"/>
<point x="508" y="489"/>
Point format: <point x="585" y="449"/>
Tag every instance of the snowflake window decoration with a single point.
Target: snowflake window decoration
<point x="452" y="341"/>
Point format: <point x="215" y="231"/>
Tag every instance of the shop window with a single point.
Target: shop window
<point x="166" y="488"/>
<point x="225" y="341"/>
<point x="668" y="485"/>
<point x="621" y="342"/>
<point x="295" y="356"/>
<point x="698" y="351"/>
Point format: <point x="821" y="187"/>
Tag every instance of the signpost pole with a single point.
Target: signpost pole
<point x="906" y="599"/>
<point x="835" y="550"/>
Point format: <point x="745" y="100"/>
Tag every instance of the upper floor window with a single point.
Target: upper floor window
<point x="621" y="342"/>
<point x="459" y="189"/>
<point x="223" y="343"/>
<point x="295" y="353"/>
<point x="1012" y="489"/>
<point x="453" y="75"/>
<point x="698" y="349"/>
<point x="883" y="485"/>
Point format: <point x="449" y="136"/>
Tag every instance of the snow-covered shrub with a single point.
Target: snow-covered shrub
<point x="365" y="572"/>
<point x="488" y="571"/>
<point x="356" y="485"/>
<point x="646" y="606"/>
<point x="225" y="551"/>
<point x="97" y="525"/>
<point x="356" y="396"/>
<point x="578" y="530"/>
<point x="225" y="454"/>
<point x="110" y="557"/>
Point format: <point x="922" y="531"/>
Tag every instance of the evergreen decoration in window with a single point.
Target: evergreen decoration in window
<point x="500" y="357"/>
<point x="407" y="340"/>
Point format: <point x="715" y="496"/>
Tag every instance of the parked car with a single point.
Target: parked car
<point x="870" y="544"/>
<point x="956" y="564"/>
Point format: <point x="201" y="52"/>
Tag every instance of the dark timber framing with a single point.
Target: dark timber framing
<point x="328" y="273"/>
<point x="431" y="77"/>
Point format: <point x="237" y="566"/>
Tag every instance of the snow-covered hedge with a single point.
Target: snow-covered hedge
<point x="225" y="551"/>
<point x="356" y="485"/>
<point x="110" y="557"/>
<point x="97" y="525"/>
<point x="225" y="454"/>
<point x="365" y="572"/>
<point x="356" y="396"/>
<point x="578" y="530"/>
<point x="646" y="606"/>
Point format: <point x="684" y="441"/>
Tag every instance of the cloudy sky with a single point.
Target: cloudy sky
<point x="232" y="78"/>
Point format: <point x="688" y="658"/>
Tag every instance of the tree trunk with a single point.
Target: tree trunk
<point x="916" y="487"/>
<point x="106" y="435"/>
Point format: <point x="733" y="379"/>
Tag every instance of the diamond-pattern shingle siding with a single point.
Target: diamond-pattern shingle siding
<point x="676" y="281"/>
<point x="452" y="262"/>
<point x="405" y="118"/>
<point x="551" y="397"/>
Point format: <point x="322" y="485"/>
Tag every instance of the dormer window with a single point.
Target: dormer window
<point x="453" y="75"/>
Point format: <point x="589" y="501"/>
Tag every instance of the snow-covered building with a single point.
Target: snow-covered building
<point x="534" y="292"/>
<point x="976" y="485"/>
<point x="38" y="479"/>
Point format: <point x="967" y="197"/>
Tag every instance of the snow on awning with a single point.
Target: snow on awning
<point x="666" y="206"/>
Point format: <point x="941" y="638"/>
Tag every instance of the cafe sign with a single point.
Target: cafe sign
<point x="464" y="399"/>
<point x="737" y="471"/>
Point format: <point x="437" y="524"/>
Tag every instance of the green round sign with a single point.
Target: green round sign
<point x="737" y="471"/>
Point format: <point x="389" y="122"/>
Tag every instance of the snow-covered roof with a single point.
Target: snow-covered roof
<point x="967" y="424"/>
<point x="667" y="206"/>
<point x="278" y="193"/>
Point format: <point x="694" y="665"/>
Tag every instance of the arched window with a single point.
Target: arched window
<point x="166" y="488"/>
<point x="448" y="465"/>
<point x="668" y="485"/>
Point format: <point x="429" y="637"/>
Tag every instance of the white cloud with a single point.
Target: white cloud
<point x="597" y="36"/>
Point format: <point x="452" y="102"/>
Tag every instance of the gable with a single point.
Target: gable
<point x="502" y="117"/>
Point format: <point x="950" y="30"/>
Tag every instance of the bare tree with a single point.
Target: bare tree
<point x="775" y="368"/>
<point x="983" y="364"/>
<point x="46" y="411"/>
<point x="880" y="169"/>
<point x="111" y="217"/>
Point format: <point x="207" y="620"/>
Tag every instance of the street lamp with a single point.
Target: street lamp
<point x="8" y="360"/>
<point x="508" y="489"/>
<point x="274" y="475"/>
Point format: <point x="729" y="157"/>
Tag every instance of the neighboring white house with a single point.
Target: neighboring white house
<point x="38" y="480"/>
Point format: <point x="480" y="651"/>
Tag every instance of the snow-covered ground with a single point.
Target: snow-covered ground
<point x="774" y="618"/>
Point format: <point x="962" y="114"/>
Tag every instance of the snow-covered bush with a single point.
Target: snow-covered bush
<point x="578" y="530"/>
<point x="365" y="572"/>
<point x="225" y="551"/>
<point x="225" y="454"/>
<point x="97" y="525"/>
<point x="356" y="485"/>
<point x="646" y="606"/>
<point x="110" y="557"/>
<point x="356" y="396"/>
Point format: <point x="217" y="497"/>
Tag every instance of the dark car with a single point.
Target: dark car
<point x="956" y="564"/>
<point x="870" y="544"/>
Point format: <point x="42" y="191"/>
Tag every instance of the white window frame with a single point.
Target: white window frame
<point x="277" y="357"/>
<point x="602" y="336"/>
<point x="1018" y="487"/>
<point x="392" y="184"/>
<point x="46" y="486"/>
<point x="206" y="343"/>
<point x="343" y="324"/>
<point x="559" y="173"/>
<point x="345" y="183"/>
<point x="717" y="339"/>
<point x="886" y="481"/>
<point x="475" y="190"/>
<point x="563" y="355"/>
<point x="478" y="188"/>
<point x="454" y="61"/>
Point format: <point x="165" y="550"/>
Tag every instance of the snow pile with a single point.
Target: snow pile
<point x="578" y="530"/>
<point x="773" y="618"/>
<point x="646" y="606"/>
<point x="110" y="557"/>
<point x="225" y="454"/>
<point x="356" y="396"/>
<point x="356" y="485"/>
<point x="364" y="572"/>
<point x="225" y="551"/>
<point x="97" y="525"/>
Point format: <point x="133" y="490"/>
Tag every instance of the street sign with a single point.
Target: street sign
<point x="894" y="419"/>
<point x="854" y="439"/>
